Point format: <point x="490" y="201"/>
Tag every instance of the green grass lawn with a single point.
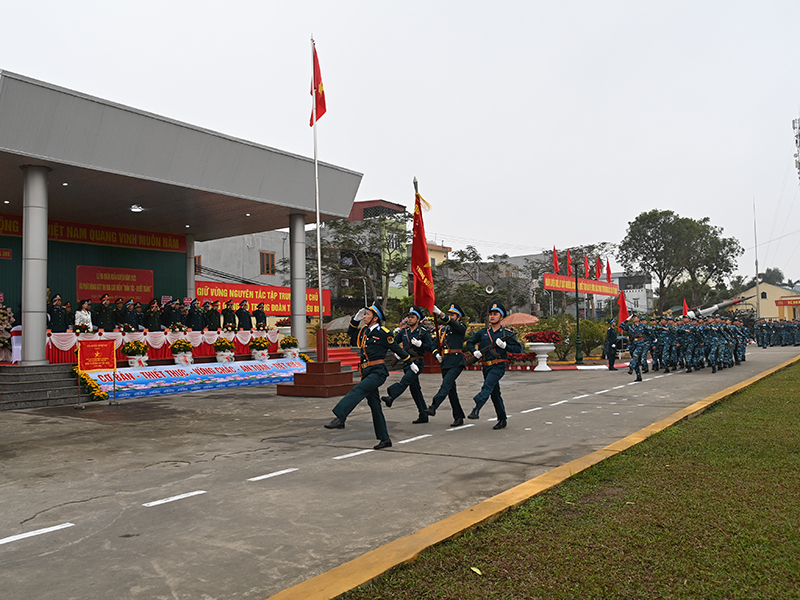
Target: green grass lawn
<point x="709" y="508"/>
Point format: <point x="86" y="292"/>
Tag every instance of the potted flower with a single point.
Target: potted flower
<point x="289" y="345"/>
<point x="127" y="328"/>
<point x="82" y="328"/>
<point x="182" y="352"/>
<point x="262" y="327"/>
<point x="542" y="343"/>
<point x="136" y="353"/>
<point x="178" y="328"/>
<point x="284" y="326"/>
<point x="259" y="348"/>
<point x="224" y="349"/>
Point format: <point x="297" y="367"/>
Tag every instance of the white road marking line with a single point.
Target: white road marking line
<point x="577" y="397"/>
<point x="557" y="403"/>
<point x="173" y="498"/>
<point x="657" y="376"/>
<point x="268" y="475"/>
<point x="531" y="409"/>
<point x="632" y="383"/>
<point x="352" y="454"/>
<point x="414" y="439"/>
<point x="21" y="536"/>
<point x="619" y="387"/>
<point x="615" y="413"/>
<point x="602" y="392"/>
<point x="461" y="427"/>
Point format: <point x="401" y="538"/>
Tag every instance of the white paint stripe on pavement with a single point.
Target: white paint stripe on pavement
<point x="268" y="475"/>
<point x="173" y="498"/>
<point x="414" y="439"/>
<point x="531" y="409"/>
<point x="557" y="403"/>
<point x="619" y="387"/>
<point x="461" y="427"/>
<point x="21" y="536"/>
<point x="602" y="392"/>
<point x="577" y="397"/>
<point x="352" y="454"/>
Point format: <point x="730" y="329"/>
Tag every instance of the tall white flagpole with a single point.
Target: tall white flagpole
<point x="316" y="178"/>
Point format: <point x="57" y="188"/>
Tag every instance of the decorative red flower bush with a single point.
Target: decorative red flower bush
<point x="545" y="337"/>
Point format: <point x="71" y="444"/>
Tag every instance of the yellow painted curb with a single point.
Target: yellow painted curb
<point x="368" y="566"/>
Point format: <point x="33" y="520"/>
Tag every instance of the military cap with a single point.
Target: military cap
<point x="228" y="302"/>
<point x="415" y="310"/>
<point x="119" y="301"/>
<point x="153" y="302"/>
<point x="104" y="297"/>
<point x="130" y="301"/>
<point x="68" y="305"/>
<point x="206" y="303"/>
<point x="243" y="303"/>
<point x="137" y="305"/>
<point x="377" y="310"/>
<point x="194" y="302"/>
<point x="56" y="297"/>
<point x="498" y="307"/>
<point x="260" y="305"/>
<point x="455" y="308"/>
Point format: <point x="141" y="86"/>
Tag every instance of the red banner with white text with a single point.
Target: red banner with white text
<point x="276" y="299"/>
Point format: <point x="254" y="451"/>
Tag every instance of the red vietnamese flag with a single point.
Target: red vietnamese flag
<point x="598" y="269"/>
<point x="555" y="260"/>
<point x="585" y="266"/>
<point x="623" y="309"/>
<point x="420" y="262"/>
<point x="317" y="90"/>
<point x="608" y="271"/>
<point x="685" y="307"/>
<point x="569" y="264"/>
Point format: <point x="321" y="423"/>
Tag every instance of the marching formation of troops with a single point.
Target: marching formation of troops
<point x="691" y="343"/>
<point x="109" y="316"/>
<point x="778" y="332"/>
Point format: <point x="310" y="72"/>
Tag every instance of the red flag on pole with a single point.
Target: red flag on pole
<point x="608" y="271"/>
<point x="623" y="309"/>
<point x="569" y="264"/>
<point x="420" y="261"/>
<point x="598" y="269"/>
<point x="555" y="260"/>
<point x="585" y="266"/>
<point x="685" y="308"/>
<point x="318" y="91"/>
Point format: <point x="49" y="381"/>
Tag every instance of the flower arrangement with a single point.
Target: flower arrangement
<point x="545" y="337"/>
<point x="230" y="328"/>
<point x="522" y="358"/>
<point x="90" y="386"/>
<point x="259" y="343"/>
<point x="6" y="317"/>
<point x="5" y="343"/>
<point x="134" y="349"/>
<point x="223" y="345"/>
<point x="127" y="328"/>
<point x="262" y="327"/>
<point x="306" y="358"/>
<point x="180" y="346"/>
<point x="177" y="328"/>
<point x="82" y="328"/>
<point x="289" y="342"/>
<point x="287" y="322"/>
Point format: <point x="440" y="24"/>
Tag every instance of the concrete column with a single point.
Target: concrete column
<point x="34" y="265"/>
<point x="190" y="266"/>
<point x="297" y="276"/>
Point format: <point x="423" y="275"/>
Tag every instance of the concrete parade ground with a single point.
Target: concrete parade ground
<point x="242" y="494"/>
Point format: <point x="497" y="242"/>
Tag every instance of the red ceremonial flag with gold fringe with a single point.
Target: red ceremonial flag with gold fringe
<point x="555" y="260"/>
<point x="569" y="264"/>
<point x="623" y="309"/>
<point x="97" y="355"/>
<point x="585" y="266"/>
<point x="608" y="271"/>
<point x="424" y="295"/>
<point x="317" y="90"/>
<point x="598" y="269"/>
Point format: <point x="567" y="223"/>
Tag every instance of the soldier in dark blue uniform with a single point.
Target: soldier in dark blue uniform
<point x="497" y="342"/>
<point x="259" y="315"/>
<point x="119" y="312"/>
<point x="244" y="316"/>
<point x="131" y="318"/>
<point x="195" y="319"/>
<point x="610" y="345"/>
<point x="416" y="341"/>
<point x="450" y="353"/>
<point x="57" y="316"/>
<point x="374" y="340"/>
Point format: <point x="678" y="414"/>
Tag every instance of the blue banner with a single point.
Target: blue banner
<point x="177" y="379"/>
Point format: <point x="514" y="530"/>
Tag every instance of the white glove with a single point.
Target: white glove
<point x="501" y="344"/>
<point x="613" y="345"/>
<point x="360" y="314"/>
<point x="477" y="354"/>
<point x="439" y="358"/>
<point x="436" y="310"/>
<point x="416" y="342"/>
<point x="414" y="368"/>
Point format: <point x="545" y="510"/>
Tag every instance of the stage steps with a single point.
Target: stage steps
<point x="40" y="385"/>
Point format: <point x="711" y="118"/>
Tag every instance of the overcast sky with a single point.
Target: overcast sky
<point x="528" y="124"/>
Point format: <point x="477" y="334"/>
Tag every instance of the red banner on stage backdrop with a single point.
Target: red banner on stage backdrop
<point x="97" y="355"/>
<point x="86" y="233"/>
<point x="93" y="282"/>
<point x="276" y="299"/>
<point x="5" y="253"/>
<point x="562" y="283"/>
<point x="788" y="302"/>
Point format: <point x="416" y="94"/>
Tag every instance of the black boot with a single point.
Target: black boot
<point x="388" y="401"/>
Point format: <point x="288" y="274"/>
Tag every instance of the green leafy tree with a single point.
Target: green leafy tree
<point x="710" y="257"/>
